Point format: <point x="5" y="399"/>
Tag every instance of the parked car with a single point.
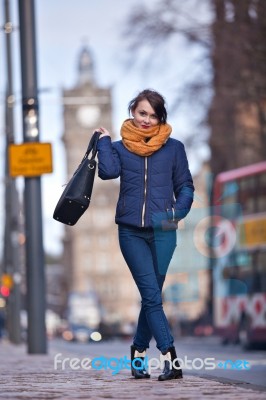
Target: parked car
<point x="80" y="333"/>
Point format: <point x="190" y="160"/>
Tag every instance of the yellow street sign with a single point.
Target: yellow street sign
<point x="253" y="232"/>
<point x="30" y="159"/>
<point x="7" y="281"/>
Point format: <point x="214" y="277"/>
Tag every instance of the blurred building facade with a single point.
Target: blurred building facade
<point x="92" y="256"/>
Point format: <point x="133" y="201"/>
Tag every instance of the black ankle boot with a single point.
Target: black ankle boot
<point x="168" y="372"/>
<point x="137" y="373"/>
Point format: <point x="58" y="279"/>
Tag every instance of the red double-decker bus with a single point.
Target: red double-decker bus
<point x="239" y="255"/>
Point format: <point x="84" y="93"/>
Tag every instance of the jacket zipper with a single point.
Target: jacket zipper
<point x="145" y="191"/>
<point x="172" y="210"/>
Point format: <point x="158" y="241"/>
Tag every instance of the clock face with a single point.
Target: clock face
<point x="87" y="116"/>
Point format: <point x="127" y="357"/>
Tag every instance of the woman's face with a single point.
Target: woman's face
<point x="144" y="116"/>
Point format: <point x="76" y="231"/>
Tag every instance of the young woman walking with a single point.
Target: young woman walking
<point x="156" y="191"/>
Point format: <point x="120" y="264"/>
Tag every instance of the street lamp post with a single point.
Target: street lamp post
<point x="32" y="198"/>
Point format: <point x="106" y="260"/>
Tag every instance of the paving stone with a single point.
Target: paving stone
<point x="24" y="376"/>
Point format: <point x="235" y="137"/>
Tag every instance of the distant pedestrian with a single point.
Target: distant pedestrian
<point x="156" y="191"/>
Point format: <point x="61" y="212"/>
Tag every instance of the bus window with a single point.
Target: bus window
<point x="230" y="192"/>
<point x="261" y="260"/>
<point x="247" y="194"/>
<point x="237" y="274"/>
<point x="261" y="193"/>
<point x="236" y="284"/>
<point x="246" y="276"/>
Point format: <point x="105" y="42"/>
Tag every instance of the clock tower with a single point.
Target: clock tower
<point x="94" y="264"/>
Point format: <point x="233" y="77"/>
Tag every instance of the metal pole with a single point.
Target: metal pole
<point x="37" y="342"/>
<point x="11" y="245"/>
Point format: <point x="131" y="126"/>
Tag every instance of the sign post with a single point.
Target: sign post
<point x="36" y="304"/>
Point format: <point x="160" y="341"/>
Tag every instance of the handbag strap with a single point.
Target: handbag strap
<point x="92" y="146"/>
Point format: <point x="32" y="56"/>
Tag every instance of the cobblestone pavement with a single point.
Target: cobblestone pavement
<point x="24" y="376"/>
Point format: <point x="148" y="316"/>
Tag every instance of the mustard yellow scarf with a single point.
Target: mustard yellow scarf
<point x="135" y="139"/>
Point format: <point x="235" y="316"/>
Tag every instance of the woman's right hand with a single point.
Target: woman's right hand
<point x="104" y="132"/>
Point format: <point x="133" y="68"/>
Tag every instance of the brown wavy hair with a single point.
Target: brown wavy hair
<point x="155" y="99"/>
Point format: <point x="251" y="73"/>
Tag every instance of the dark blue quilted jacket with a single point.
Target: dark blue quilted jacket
<point x="155" y="191"/>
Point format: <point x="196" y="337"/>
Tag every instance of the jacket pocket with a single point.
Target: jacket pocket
<point x="170" y="211"/>
<point x="165" y="220"/>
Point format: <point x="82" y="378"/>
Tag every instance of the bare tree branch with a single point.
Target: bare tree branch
<point x="162" y="22"/>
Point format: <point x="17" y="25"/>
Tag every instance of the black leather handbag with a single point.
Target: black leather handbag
<point x="76" y="197"/>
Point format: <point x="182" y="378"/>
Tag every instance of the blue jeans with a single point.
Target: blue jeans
<point x="148" y="253"/>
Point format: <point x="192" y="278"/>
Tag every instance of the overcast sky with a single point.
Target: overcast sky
<point x="62" y="26"/>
